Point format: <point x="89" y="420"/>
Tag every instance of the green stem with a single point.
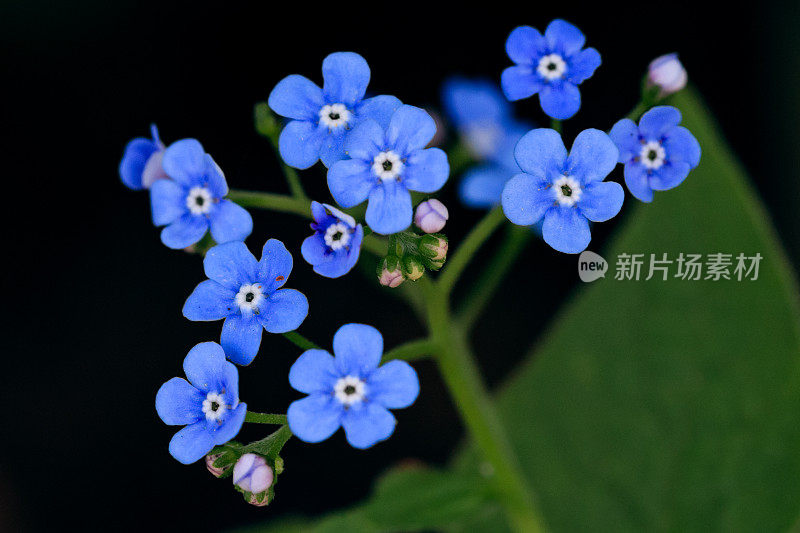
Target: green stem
<point x="556" y="125"/>
<point x="412" y="350"/>
<point x="265" y="418"/>
<point x="638" y="111"/>
<point x="292" y="178"/>
<point x="300" y="341"/>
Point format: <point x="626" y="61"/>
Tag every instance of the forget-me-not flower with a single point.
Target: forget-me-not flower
<point x="193" y="201"/>
<point x="321" y="119"/>
<point x="248" y="295"/>
<point x="350" y="390"/>
<point x="207" y="404"/>
<point x="141" y="163"/>
<point x="658" y="154"/>
<point x="553" y="65"/>
<point x="386" y="164"/>
<point x="565" y="190"/>
<point x="336" y="244"/>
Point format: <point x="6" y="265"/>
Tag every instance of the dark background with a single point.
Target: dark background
<point x="93" y="298"/>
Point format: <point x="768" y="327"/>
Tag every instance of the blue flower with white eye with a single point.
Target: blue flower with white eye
<point x="565" y="190"/>
<point x="207" y="404"/>
<point x="350" y="390"/>
<point x="141" y="163"/>
<point x="658" y="154"/>
<point x="248" y="295"/>
<point x="193" y="201"/>
<point x="387" y="163"/>
<point x="321" y="119"/>
<point x="334" y="248"/>
<point x="552" y="65"/>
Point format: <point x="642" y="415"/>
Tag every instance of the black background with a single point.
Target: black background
<point x="93" y="298"/>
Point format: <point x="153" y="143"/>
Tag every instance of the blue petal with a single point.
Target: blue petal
<point x="566" y="230"/>
<point x="209" y="301"/>
<point x="561" y="36"/>
<point x="525" y="44"/>
<point x="526" y="199"/>
<point x="275" y="265"/>
<point x="389" y="209"/>
<point x="669" y="175"/>
<point x="592" y="157"/>
<point x="297" y="97"/>
<point x="601" y="201"/>
<point x="394" y="385"/>
<point x="315" y="418"/>
<point x="191" y="443"/>
<point x="625" y="135"/>
<point x="153" y="169"/>
<point x="358" y="349"/>
<point x="185" y="161"/>
<point x="483" y="186"/>
<point x="365" y="141"/>
<point x="313" y="372"/>
<point x="342" y="262"/>
<point x="346" y="76"/>
<point x="582" y="65"/>
<point x="367" y="425"/>
<point x="314" y="250"/>
<point x="541" y="153"/>
<point x="332" y="148"/>
<point x="350" y="181"/>
<point x="410" y="128"/>
<point x="560" y="100"/>
<point x="379" y="108"/>
<point x="215" y="178"/>
<point x="520" y="82"/>
<point x="206" y="368"/>
<point x="426" y="170"/>
<point x="241" y="337"/>
<point x="318" y="212"/>
<point x="469" y="102"/>
<point x="230" y="427"/>
<point x="185" y="231"/>
<point x="178" y="403"/>
<point x="231" y="265"/>
<point x="681" y="145"/>
<point x="637" y="181"/>
<point x="658" y="121"/>
<point x="134" y="160"/>
<point x="230" y="222"/>
<point x="300" y="143"/>
<point x="167" y="202"/>
<point x="284" y="311"/>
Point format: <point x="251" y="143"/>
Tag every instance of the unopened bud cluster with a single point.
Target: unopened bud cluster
<point x="253" y="475"/>
<point x="410" y="255"/>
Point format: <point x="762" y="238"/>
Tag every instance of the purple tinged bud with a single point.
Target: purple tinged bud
<point x="252" y="474"/>
<point x="390" y="274"/>
<point x="667" y="73"/>
<point x="431" y="216"/>
<point x="259" y="500"/>
<point x="153" y="171"/>
<point x="216" y="471"/>
<point x="434" y="247"/>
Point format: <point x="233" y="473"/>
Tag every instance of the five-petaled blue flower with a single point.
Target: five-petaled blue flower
<point x="386" y="164"/>
<point x="321" y="119"/>
<point x="141" y="163"/>
<point x="194" y="199"/>
<point x="245" y="292"/>
<point x="552" y="65"/>
<point x="658" y="154"/>
<point x="334" y="248"/>
<point x="566" y="190"/>
<point x="208" y="404"/>
<point x="350" y="390"/>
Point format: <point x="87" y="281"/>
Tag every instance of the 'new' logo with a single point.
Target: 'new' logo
<point x="591" y="266"/>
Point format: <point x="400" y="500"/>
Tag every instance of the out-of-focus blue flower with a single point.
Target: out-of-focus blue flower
<point x="245" y="292"/>
<point x="334" y="248"/>
<point x="565" y="190"/>
<point x="207" y="404"/>
<point x="350" y="390"/>
<point x="658" y="154"/>
<point x="387" y="163"/>
<point x="321" y="119"/>
<point x="141" y="163"/>
<point x="552" y="65"/>
<point x="193" y="201"/>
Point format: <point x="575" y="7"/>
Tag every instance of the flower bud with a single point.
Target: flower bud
<point x="413" y="269"/>
<point x="216" y="471"/>
<point x="431" y="216"/>
<point x="667" y="73"/>
<point x="389" y="273"/>
<point x="259" y="500"/>
<point x="434" y="247"/>
<point x="252" y="474"/>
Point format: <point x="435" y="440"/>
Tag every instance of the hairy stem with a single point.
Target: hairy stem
<point x="265" y="418"/>
<point x="412" y="350"/>
<point x="300" y="341"/>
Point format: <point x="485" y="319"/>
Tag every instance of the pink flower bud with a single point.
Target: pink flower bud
<point x="431" y="216"/>
<point x="216" y="471"/>
<point x="390" y="274"/>
<point x="252" y="473"/>
<point x="667" y="73"/>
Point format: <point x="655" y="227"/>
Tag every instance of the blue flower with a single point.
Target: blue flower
<point x="567" y="191"/>
<point x="208" y="404"/>
<point x="334" y="248"/>
<point x="141" y="163"/>
<point x="552" y="65"/>
<point x="386" y="163"/>
<point x="321" y="119"/>
<point x="193" y="200"/>
<point x="350" y="390"/>
<point x="658" y="154"/>
<point x="245" y="292"/>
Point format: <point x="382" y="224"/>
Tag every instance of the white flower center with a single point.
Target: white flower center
<point x="567" y="190"/>
<point x="335" y="116"/>
<point x="551" y="67"/>
<point x="387" y="165"/>
<point x="249" y="297"/>
<point x="350" y="390"/>
<point x="652" y="155"/>
<point x="199" y="200"/>
<point x="214" y="406"/>
<point x="337" y="236"/>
